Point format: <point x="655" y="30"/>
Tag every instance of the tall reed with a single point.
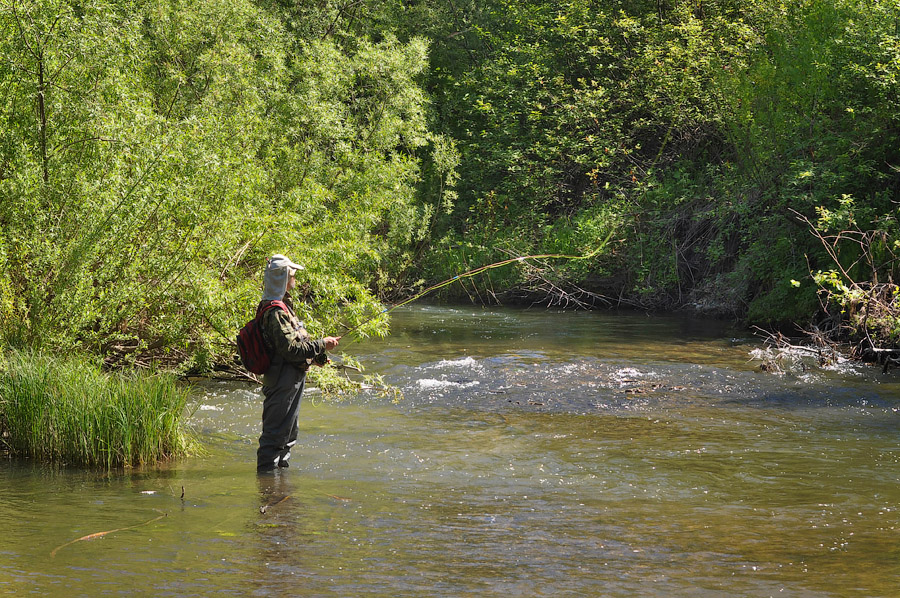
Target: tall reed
<point x="70" y="411"/>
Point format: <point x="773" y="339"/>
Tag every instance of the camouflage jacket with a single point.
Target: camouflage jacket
<point x="288" y="340"/>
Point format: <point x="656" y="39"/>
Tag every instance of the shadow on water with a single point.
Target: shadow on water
<point x="534" y="454"/>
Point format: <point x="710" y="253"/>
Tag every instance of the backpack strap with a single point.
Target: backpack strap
<point x="265" y="306"/>
<point x="261" y="310"/>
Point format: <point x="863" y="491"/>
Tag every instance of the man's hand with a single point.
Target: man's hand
<point x="330" y="343"/>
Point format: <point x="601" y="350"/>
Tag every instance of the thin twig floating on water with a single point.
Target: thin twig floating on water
<point x="101" y="534"/>
<point x="336" y="497"/>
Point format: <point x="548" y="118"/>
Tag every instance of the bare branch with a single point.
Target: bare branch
<point x="337" y="17"/>
<point x="832" y="252"/>
<point x="85" y="140"/>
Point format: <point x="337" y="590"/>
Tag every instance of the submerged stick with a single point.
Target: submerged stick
<point x="96" y="535"/>
<point x="265" y="508"/>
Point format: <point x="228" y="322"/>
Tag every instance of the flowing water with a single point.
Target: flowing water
<point x="534" y="453"/>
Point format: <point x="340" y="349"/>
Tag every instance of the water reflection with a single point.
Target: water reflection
<point x="277" y="531"/>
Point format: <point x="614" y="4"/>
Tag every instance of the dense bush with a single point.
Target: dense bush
<point x="691" y="129"/>
<point x="153" y="154"/>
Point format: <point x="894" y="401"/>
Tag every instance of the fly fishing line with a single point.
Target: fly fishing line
<point x="475" y="272"/>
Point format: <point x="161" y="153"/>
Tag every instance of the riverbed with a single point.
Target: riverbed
<point x="534" y="453"/>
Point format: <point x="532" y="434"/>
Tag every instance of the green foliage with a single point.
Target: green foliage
<point x="178" y="145"/>
<point x="336" y="383"/>
<point x="858" y="287"/>
<point x="154" y="153"/>
<point x="66" y="410"/>
<point x="566" y="112"/>
<point x="700" y="125"/>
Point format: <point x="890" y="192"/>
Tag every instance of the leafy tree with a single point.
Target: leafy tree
<point x="178" y="144"/>
<point x="691" y="129"/>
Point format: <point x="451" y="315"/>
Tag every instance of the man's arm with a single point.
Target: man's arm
<point x="293" y="345"/>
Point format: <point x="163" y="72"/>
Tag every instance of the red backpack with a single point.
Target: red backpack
<point x="252" y="347"/>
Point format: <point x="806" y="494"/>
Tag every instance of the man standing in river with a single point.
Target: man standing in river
<point x="292" y="352"/>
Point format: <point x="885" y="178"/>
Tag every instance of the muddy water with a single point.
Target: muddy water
<point x="534" y="454"/>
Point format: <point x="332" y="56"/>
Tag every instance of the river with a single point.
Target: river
<point x="534" y="453"/>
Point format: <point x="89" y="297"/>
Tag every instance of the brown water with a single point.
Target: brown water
<point x="535" y="453"/>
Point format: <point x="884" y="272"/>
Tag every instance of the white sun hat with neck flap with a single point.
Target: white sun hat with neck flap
<point x="279" y="270"/>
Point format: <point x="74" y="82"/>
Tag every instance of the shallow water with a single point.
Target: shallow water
<point x="535" y="453"/>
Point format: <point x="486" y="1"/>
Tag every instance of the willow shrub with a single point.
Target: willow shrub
<point x="177" y="145"/>
<point x="69" y="411"/>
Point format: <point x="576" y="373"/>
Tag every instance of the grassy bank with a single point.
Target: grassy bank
<point x="69" y="411"/>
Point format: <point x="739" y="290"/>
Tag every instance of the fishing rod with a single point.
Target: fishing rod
<point x="474" y="272"/>
<point x="506" y="262"/>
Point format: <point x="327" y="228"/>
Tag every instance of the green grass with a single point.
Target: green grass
<point x="69" y="411"/>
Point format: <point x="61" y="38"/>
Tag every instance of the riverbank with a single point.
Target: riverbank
<point x="825" y="311"/>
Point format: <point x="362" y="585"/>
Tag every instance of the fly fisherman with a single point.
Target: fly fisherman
<point x="292" y="352"/>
